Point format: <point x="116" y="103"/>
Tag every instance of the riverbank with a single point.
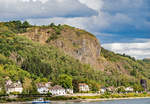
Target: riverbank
<point x="102" y="97"/>
<point x="107" y="99"/>
<point x="84" y="100"/>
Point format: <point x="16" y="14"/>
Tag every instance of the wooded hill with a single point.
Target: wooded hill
<point x="42" y="53"/>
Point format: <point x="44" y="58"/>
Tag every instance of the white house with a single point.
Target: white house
<point x="43" y="88"/>
<point x="11" y="87"/>
<point x="129" y="89"/>
<point x="57" y="90"/>
<point x="83" y="87"/>
<point x="102" y="90"/>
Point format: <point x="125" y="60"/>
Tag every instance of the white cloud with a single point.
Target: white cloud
<point x="94" y="4"/>
<point x="138" y="50"/>
<point x="42" y="1"/>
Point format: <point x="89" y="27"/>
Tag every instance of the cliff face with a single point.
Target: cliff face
<point x="81" y="45"/>
<point x="74" y="42"/>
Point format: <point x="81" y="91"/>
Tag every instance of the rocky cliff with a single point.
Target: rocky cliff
<point x="75" y="42"/>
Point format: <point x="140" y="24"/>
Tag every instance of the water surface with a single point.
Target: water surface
<point x="129" y="101"/>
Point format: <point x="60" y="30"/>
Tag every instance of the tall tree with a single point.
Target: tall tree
<point x="65" y="81"/>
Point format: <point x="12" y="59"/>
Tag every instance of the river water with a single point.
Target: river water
<point x="129" y="101"/>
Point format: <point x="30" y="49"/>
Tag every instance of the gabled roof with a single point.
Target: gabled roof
<point x="14" y="85"/>
<point x="57" y="87"/>
<point x="39" y="85"/>
<point x="43" y="84"/>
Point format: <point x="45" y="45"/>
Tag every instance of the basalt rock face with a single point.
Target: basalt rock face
<point x="74" y="42"/>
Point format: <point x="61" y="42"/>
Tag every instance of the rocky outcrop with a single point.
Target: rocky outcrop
<point x="74" y="42"/>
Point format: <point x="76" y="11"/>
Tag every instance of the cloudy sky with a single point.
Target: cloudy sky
<point x="122" y="26"/>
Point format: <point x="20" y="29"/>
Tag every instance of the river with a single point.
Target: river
<point x="129" y="101"/>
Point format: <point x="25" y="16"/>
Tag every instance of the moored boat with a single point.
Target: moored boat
<point x="40" y="101"/>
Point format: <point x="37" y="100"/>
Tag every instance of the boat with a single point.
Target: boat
<point x="40" y="101"/>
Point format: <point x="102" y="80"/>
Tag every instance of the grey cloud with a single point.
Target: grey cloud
<point x="18" y="9"/>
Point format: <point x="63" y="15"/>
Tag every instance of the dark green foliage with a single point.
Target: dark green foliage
<point x="52" y="37"/>
<point x="109" y="55"/>
<point x="57" y="32"/>
<point x="4" y="60"/>
<point x="52" y="24"/>
<point x="25" y="24"/>
<point x="65" y="81"/>
<point x="34" y="65"/>
<point x="120" y="89"/>
<point x="75" y="83"/>
<point x="17" y="26"/>
<point x="133" y="72"/>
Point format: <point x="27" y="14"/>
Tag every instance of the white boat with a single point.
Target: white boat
<point x="40" y="101"/>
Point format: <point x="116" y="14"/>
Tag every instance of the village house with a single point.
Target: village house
<point x="129" y="89"/>
<point x="57" y="90"/>
<point x="43" y="88"/>
<point x="11" y="87"/>
<point x="102" y="90"/>
<point x="83" y="87"/>
<point x="110" y="89"/>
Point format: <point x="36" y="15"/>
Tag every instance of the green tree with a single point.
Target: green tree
<point x="134" y="72"/>
<point x="75" y="84"/>
<point x="27" y="85"/>
<point x="65" y="81"/>
<point x="137" y="87"/>
<point x="26" y="24"/>
<point x="120" y="89"/>
<point x="52" y="24"/>
<point x="94" y="86"/>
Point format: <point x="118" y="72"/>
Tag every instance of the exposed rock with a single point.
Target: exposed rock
<point x="75" y="42"/>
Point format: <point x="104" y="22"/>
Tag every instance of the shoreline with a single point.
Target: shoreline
<point x="100" y="99"/>
<point x="86" y="100"/>
<point x="109" y="99"/>
<point x="80" y="99"/>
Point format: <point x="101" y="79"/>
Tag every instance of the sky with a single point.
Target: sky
<point x="122" y="26"/>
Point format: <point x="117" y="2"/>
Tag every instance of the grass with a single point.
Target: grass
<point x="128" y="95"/>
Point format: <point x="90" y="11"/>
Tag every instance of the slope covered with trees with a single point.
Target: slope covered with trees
<point x="42" y="57"/>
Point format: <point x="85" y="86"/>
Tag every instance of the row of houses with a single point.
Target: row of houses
<point x="112" y="89"/>
<point x="44" y="88"/>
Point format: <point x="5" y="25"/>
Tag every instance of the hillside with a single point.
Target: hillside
<point x="49" y="51"/>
